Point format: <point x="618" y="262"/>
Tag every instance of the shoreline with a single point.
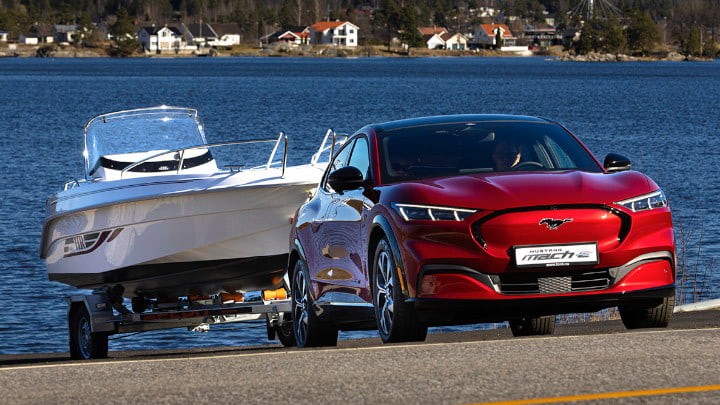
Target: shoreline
<point x="556" y="54"/>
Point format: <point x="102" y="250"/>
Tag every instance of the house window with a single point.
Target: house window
<point x="351" y="31"/>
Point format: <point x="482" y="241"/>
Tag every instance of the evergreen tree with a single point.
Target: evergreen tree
<point x="642" y="33"/>
<point x="692" y="46"/>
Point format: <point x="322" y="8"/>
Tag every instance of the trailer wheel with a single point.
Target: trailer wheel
<point x="284" y="330"/>
<point x="85" y="344"/>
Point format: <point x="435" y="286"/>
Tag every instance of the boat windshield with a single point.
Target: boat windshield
<point x="137" y="131"/>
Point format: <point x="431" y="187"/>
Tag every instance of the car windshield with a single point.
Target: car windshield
<point x="421" y="152"/>
<point x="145" y="130"/>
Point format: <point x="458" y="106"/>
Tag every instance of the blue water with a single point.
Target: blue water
<point x="662" y="115"/>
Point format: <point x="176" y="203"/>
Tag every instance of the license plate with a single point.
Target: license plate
<point x="556" y="255"/>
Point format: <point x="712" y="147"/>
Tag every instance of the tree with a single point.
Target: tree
<point x="642" y="33"/>
<point x="599" y="35"/>
<point x="124" y="33"/>
<point x="692" y="45"/>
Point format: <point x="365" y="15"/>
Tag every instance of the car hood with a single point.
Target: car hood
<point x="510" y="190"/>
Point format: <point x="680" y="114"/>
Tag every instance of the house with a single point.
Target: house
<point x="486" y="34"/>
<point x="4" y="36"/>
<point x="226" y="34"/>
<point x="446" y="40"/>
<point x="198" y="34"/>
<point x="434" y="41"/>
<point x="291" y="35"/>
<point x="29" y="39"/>
<point x="65" y="33"/>
<point x="162" y="39"/>
<point x="341" y="33"/>
<point x="455" y="41"/>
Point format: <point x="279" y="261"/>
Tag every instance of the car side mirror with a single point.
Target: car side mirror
<point x="346" y="178"/>
<point x="616" y="163"/>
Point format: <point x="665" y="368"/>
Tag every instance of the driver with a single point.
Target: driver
<point x="505" y="156"/>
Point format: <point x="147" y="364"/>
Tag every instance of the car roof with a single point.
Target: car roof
<point x="450" y="119"/>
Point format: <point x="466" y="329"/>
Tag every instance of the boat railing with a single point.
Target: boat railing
<point x="180" y="154"/>
<point x="336" y="139"/>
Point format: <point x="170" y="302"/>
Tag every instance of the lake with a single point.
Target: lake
<point x="662" y="115"/>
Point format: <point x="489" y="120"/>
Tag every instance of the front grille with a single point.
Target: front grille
<point x="557" y="283"/>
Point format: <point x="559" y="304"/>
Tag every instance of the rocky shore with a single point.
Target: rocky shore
<point x="611" y="57"/>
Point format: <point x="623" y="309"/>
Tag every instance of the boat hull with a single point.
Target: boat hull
<point x="196" y="236"/>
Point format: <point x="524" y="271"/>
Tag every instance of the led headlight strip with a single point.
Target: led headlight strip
<point x="417" y="212"/>
<point x="645" y="202"/>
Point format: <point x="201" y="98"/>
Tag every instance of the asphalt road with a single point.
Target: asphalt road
<point x="585" y="362"/>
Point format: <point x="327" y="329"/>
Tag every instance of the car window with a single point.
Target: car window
<point x="360" y="157"/>
<point x="340" y="160"/>
<point x="479" y="147"/>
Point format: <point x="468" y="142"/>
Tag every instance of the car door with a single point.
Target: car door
<point x="342" y="250"/>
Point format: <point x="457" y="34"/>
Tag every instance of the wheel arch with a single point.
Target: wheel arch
<point x="381" y="228"/>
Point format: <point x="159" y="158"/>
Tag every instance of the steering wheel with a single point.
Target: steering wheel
<point x="527" y="164"/>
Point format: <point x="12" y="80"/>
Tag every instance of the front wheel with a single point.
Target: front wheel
<point x="543" y="325"/>
<point x="396" y="319"/>
<point x="639" y="316"/>
<point x="308" y="329"/>
<point x="84" y="343"/>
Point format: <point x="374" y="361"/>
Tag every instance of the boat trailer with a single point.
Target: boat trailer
<point x="93" y="318"/>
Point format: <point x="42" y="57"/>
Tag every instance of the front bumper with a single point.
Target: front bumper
<point x="436" y="311"/>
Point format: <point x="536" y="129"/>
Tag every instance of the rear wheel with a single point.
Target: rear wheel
<point x="85" y="344"/>
<point x="639" y="316"/>
<point x="309" y="331"/>
<point x="396" y="319"/>
<point x="543" y="325"/>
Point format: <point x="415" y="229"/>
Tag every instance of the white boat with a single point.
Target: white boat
<point x="156" y="217"/>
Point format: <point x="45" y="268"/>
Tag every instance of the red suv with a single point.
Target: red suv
<point x="476" y="218"/>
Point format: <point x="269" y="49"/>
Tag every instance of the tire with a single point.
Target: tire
<point x="397" y="319"/>
<point x="637" y="316"/>
<point x="85" y="344"/>
<point x="284" y="330"/>
<point x="308" y="330"/>
<point x="544" y="325"/>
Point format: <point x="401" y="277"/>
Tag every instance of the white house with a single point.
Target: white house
<point x="486" y="34"/>
<point x="221" y="34"/>
<point x="226" y="34"/>
<point x="161" y="39"/>
<point x="64" y="32"/>
<point x="434" y="41"/>
<point x="455" y="41"/>
<point x="342" y="33"/>
<point x="4" y="36"/>
<point x="446" y="40"/>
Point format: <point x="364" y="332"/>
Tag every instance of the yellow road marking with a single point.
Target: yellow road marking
<point x="607" y="395"/>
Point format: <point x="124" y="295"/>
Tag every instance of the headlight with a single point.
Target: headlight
<point x="414" y="212"/>
<point x="645" y="202"/>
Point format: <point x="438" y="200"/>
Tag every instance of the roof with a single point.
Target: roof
<point x="225" y="28"/>
<point x="326" y="25"/>
<point x="65" y="27"/>
<point x="201" y="30"/>
<point x="449" y="119"/>
<point x="431" y="30"/>
<point x="153" y="30"/>
<point x="490" y="30"/>
<point x="447" y="36"/>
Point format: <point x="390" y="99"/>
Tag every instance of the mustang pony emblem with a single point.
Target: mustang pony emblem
<point x="554" y="223"/>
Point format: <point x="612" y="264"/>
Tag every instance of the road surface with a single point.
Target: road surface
<point x="588" y="362"/>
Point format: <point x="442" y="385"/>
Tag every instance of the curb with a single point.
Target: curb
<point x="698" y="306"/>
